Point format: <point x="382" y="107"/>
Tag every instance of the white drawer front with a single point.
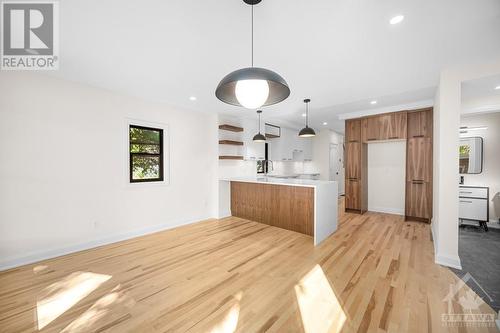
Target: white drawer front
<point x="473" y="192"/>
<point x="473" y="209"/>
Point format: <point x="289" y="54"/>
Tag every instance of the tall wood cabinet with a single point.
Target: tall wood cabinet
<point x="356" y="170"/>
<point x="413" y="126"/>
<point x="418" y="203"/>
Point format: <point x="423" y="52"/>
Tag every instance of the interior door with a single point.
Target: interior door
<point x="334" y="162"/>
<point x="337" y="165"/>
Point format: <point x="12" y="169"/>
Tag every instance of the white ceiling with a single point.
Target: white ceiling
<point x="340" y="53"/>
<point x="480" y="95"/>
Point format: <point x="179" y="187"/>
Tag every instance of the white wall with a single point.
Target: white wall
<point x="386" y="177"/>
<point x="491" y="157"/>
<point x="236" y="168"/>
<point x="63" y="164"/>
<point x="321" y="155"/>
<point x="445" y="157"/>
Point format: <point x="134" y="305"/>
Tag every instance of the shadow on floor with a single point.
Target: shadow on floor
<point x="480" y="256"/>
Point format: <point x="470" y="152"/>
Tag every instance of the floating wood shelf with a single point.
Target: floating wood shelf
<point x="271" y="136"/>
<point x="230" y="142"/>
<point x="231" y="128"/>
<point x="230" y="157"/>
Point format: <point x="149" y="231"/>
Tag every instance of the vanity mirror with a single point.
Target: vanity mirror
<point x="471" y="155"/>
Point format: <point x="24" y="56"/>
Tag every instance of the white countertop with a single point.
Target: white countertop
<point x="281" y="181"/>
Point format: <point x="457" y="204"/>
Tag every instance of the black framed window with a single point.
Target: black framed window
<point x="146" y="154"/>
<point x="262" y="166"/>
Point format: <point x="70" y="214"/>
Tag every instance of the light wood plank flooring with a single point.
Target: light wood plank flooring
<point x="376" y="274"/>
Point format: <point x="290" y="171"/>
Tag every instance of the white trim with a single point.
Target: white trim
<point x="394" y="108"/>
<point x="167" y="163"/>
<point x="480" y="109"/>
<point x="224" y="214"/>
<point x="494" y="224"/>
<point x="440" y="259"/>
<point x="387" y="210"/>
<point x="44" y="255"/>
<point x="449" y="261"/>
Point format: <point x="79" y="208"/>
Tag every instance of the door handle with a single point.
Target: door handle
<point x="394" y="137"/>
<point x="372" y="139"/>
<point x="464" y="201"/>
<point x="415" y="181"/>
<point x="418" y="136"/>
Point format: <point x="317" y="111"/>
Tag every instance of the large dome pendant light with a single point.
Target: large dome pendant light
<point x="307" y="131"/>
<point x="259" y="137"/>
<point x="252" y="87"/>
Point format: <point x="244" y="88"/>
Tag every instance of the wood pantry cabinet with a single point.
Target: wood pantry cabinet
<point x="353" y="130"/>
<point x="413" y="126"/>
<point x="420" y="123"/>
<point x="418" y="203"/>
<point x="355" y="173"/>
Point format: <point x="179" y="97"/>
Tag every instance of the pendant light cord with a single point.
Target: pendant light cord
<point x="307" y="114"/>
<point x="259" y="122"/>
<point x="252" y="35"/>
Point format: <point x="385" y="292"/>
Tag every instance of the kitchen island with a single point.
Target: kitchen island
<point x="301" y="205"/>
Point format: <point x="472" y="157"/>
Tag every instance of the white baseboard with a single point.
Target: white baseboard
<point x="387" y="210"/>
<point x="224" y="214"/>
<point x="494" y="224"/>
<point x="440" y="259"/>
<point x="449" y="261"/>
<point x="53" y="253"/>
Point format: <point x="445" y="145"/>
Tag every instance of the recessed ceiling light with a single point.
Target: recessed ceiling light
<point x="397" y="19"/>
<point x="497" y="88"/>
<point x="373" y="102"/>
<point x="303" y="115"/>
<point x="325" y="123"/>
<point x="192" y="98"/>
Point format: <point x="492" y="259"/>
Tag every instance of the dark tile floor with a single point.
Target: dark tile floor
<point x="480" y="256"/>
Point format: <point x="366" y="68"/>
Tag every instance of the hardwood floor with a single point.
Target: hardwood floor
<point x="375" y="274"/>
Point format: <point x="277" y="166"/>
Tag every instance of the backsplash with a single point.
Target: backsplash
<point x="290" y="168"/>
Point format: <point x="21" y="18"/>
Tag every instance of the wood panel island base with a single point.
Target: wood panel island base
<point x="305" y="206"/>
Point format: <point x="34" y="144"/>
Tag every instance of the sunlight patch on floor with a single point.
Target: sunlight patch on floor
<point x="97" y="311"/>
<point x="230" y="321"/>
<point x="39" y="269"/>
<point x="59" y="297"/>
<point x="319" y="307"/>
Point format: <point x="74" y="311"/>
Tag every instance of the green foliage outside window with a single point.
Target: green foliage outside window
<point x="464" y="151"/>
<point x="146" y="154"/>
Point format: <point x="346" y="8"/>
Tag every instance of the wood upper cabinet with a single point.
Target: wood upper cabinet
<point x="418" y="200"/>
<point x="418" y="159"/>
<point x="420" y="124"/>
<point x="353" y="130"/>
<point x="397" y="126"/>
<point x="370" y="129"/>
<point x="353" y="163"/>
<point x="393" y="126"/>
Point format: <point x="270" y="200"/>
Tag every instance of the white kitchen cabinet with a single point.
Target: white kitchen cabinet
<point x="254" y="151"/>
<point x="279" y="148"/>
<point x="306" y="149"/>
<point x="290" y="147"/>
